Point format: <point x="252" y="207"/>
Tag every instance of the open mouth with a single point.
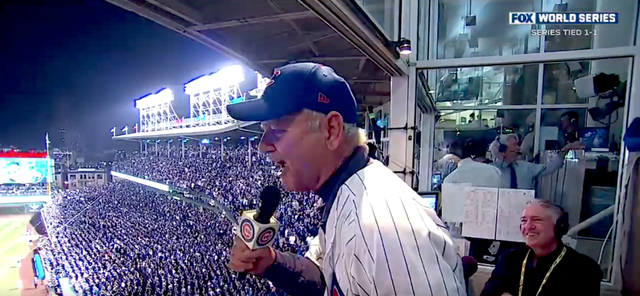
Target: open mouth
<point x="283" y="166"/>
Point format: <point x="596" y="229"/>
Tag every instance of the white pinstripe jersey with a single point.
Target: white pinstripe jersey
<point x="381" y="241"/>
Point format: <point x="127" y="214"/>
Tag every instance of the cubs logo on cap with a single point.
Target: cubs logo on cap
<point x="276" y="73"/>
<point x="297" y="88"/>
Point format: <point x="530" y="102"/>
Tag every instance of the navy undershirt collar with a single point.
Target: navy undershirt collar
<point x="328" y="191"/>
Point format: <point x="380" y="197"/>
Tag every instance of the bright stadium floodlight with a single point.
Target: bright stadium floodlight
<point x="205" y="141"/>
<point x="163" y="96"/>
<point x="156" y="111"/>
<point x="242" y="138"/>
<point x="228" y="76"/>
<point x="210" y="94"/>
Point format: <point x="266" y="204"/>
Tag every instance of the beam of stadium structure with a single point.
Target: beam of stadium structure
<point x="186" y="132"/>
<point x="255" y="20"/>
<point x="193" y="34"/>
<point x="178" y="9"/>
<point x="295" y="27"/>
<point x="314" y="59"/>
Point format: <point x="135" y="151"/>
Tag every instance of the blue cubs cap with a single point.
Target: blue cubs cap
<point x="299" y="86"/>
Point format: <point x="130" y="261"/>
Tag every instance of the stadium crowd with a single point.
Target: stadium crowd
<point x="126" y="239"/>
<point x="23" y="189"/>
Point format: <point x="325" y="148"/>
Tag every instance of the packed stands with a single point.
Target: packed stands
<point x="126" y="239"/>
<point x="23" y="189"/>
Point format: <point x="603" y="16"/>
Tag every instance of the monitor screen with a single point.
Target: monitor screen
<point x="436" y="179"/>
<point x="430" y="199"/>
<point x="25" y="170"/>
<point x="595" y="138"/>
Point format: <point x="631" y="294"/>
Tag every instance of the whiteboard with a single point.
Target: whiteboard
<point x="452" y="200"/>
<point x="510" y="206"/>
<point x="480" y="207"/>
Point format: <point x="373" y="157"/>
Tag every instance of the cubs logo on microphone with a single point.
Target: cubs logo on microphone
<point x="247" y="230"/>
<point x="256" y="235"/>
<point x="266" y="236"/>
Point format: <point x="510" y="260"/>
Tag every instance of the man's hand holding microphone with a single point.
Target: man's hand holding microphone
<point x="252" y="251"/>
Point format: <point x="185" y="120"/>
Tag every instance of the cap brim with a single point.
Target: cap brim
<point x="255" y="110"/>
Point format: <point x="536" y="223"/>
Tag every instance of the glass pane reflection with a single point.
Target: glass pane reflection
<point x="486" y="86"/>
<point x="382" y="13"/>
<point x="480" y="28"/>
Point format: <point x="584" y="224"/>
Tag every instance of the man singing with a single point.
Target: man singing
<point x="544" y="266"/>
<point x="375" y="237"/>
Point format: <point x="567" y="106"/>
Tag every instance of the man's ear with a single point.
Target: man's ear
<point x="334" y="129"/>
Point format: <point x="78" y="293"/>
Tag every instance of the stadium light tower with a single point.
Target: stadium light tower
<point x="156" y="111"/>
<point x="209" y="96"/>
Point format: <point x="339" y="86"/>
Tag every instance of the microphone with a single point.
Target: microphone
<point x="257" y="229"/>
<point x="469" y="266"/>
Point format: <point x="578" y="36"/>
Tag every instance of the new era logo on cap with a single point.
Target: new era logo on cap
<point x="323" y="99"/>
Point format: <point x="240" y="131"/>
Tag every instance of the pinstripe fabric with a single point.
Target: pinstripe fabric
<point x="380" y="240"/>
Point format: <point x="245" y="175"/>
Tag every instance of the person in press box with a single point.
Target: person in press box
<point x="519" y="174"/>
<point x="545" y="266"/>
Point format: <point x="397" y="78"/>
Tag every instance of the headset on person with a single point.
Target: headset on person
<point x="562" y="223"/>
<point x="571" y="115"/>
<point x="502" y="140"/>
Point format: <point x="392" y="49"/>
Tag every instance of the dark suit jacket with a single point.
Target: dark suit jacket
<point x="576" y="274"/>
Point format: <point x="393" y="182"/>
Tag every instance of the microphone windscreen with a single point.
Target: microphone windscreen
<point x="469" y="266"/>
<point x="270" y="198"/>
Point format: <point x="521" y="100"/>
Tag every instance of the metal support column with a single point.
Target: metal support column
<point x="169" y="148"/>
<point x="182" y="148"/>
<point x="402" y="128"/>
<point x="426" y="151"/>
<point x="157" y="148"/>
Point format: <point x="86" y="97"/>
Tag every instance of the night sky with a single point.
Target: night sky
<point x="79" y="65"/>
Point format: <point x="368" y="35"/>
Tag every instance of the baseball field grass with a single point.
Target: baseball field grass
<point x="13" y="247"/>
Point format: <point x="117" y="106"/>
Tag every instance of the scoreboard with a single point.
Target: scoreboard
<point x="25" y="179"/>
<point x="25" y="170"/>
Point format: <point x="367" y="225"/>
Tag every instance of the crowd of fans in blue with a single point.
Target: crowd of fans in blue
<point x="127" y="239"/>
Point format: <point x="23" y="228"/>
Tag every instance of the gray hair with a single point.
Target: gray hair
<point x="552" y="209"/>
<point x="494" y="148"/>
<point x="353" y="134"/>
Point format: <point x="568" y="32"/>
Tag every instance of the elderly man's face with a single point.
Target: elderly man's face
<point x="513" y="150"/>
<point x="537" y="226"/>
<point x="296" y="148"/>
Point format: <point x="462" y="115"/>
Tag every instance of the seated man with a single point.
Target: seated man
<point x="544" y="266"/>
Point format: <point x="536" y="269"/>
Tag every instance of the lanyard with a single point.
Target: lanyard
<point x="524" y="265"/>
